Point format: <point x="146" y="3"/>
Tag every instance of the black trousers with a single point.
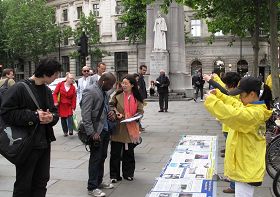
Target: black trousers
<point x="98" y="154"/>
<point x="32" y="177"/>
<point x="163" y="101"/>
<point x="118" y="154"/>
<point x="197" y="89"/>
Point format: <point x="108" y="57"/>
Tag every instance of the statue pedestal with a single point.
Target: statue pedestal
<point x="158" y="60"/>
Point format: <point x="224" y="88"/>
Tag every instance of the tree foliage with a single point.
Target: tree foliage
<point x="30" y="29"/>
<point x="134" y="17"/>
<point x="88" y="24"/>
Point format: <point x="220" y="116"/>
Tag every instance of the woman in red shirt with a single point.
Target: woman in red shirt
<point x="64" y="97"/>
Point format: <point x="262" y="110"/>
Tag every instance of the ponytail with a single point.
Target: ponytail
<point x="266" y="95"/>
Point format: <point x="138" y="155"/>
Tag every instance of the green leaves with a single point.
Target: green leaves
<point x="29" y="29"/>
<point x="134" y="17"/>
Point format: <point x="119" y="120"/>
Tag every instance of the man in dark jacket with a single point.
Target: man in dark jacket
<point x="141" y="81"/>
<point x="198" y="83"/>
<point x="162" y="84"/>
<point x="142" y="88"/>
<point x="19" y="109"/>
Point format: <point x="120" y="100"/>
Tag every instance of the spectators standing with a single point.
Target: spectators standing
<point x="162" y="84"/>
<point x="101" y="68"/>
<point x="83" y="82"/>
<point x="127" y="102"/>
<point x="198" y="83"/>
<point x="95" y="101"/>
<point x="7" y="75"/>
<point x="19" y="109"/>
<point x="64" y="97"/>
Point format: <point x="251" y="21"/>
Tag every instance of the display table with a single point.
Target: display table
<point x="190" y="170"/>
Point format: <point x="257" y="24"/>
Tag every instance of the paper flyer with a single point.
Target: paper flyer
<point x="135" y="117"/>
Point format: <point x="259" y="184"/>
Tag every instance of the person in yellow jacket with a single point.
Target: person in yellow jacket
<point x="245" y="145"/>
<point x="227" y="83"/>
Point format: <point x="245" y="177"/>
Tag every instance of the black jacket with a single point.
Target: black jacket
<point x="18" y="109"/>
<point x="197" y="81"/>
<point x="142" y="87"/>
<point x="162" y="86"/>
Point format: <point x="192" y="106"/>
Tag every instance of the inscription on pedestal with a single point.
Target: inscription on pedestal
<point x="158" y="61"/>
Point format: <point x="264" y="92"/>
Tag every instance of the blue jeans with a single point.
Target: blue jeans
<point x="96" y="161"/>
<point x="67" y="124"/>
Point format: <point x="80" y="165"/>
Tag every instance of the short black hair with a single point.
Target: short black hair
<point x="231" y="79"/>
<point x="48" y="67"/>
<point x="142" y="67"/>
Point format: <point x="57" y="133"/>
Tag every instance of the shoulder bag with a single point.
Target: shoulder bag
<point x="16" y="142"/>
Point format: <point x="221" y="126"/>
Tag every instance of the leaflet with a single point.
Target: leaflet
<point x="135" y="117"/>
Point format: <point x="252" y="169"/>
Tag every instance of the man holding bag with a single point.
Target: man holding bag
<point x="95" y="115"/>
<point x="18" y="109"/>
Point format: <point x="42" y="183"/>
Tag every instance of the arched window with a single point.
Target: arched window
<point x="242" y="67"/>
<point x="219" y="67"/>
<point x="196" y="65"/>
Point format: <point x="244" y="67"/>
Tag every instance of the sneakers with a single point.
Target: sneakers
<point x="201" y="100"/>
<point x="106" y="186"/>
<point x="96" y="193"/>
<point x="195" y="100"/>
<point x="116" y="180"/>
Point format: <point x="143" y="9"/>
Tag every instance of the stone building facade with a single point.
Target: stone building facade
<point x="122" y="58"/>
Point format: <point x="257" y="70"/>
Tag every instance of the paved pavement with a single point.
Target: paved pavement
<point x="163" y="130"/>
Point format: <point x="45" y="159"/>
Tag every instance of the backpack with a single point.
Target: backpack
<point x="3" y="89"/>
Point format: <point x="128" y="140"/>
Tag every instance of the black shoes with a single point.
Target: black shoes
<point x="160" y="110"/>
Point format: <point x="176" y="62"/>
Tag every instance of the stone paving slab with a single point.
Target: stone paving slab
<point x="69" y="163"/>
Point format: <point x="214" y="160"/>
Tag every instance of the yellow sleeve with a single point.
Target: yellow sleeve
<point x="219" y="81"/>
<point x="269" y="81"/>
<point x="237" y="118"/>
<point x="229" y="100"/>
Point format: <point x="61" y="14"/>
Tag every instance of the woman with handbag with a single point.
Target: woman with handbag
<point x="127" y="102"/>
<point x="64" y="97"/>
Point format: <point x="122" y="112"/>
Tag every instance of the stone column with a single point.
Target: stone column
<point x="173" y="59"/>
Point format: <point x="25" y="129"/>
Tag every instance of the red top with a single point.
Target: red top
<point x="67" y="103"/>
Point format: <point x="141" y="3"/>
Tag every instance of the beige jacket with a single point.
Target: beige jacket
<point x="121" y="134"/>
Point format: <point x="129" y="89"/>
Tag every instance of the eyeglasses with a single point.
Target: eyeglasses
<point x="86" y="71"/>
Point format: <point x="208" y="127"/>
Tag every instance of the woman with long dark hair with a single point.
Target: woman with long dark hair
<point x="127" y="102"/>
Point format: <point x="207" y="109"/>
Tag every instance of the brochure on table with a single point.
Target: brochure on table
<point x="190" y="169"/>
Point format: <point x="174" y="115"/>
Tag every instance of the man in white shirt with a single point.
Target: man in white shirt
<point x="83" y="82"/>
<point x="101" y="68"/>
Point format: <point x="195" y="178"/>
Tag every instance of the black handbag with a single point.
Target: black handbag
<point x="16" y="142"/>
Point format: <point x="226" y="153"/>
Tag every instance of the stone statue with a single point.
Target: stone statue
<point x="160" y="38"/>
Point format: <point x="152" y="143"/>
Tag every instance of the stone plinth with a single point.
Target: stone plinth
<point x="158" y="60"/>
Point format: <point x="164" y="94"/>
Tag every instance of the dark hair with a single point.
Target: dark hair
<point x="7" y="71"/>
<point x="47" y="67"/>
<point x="135" y="90"/>
<point x="98" y="65"/>
<point x="136" y="75"/>
<point x="266" y="95"/>
<point x="231" y="79"/>
<point x="140" y="67"/>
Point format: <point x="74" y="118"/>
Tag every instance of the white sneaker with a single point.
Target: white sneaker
<point x="106" y="185"/>
<point x="201" y="100"/>
<point x="96" y="193"/>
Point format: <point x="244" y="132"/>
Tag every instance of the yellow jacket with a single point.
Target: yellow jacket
<point x="245" y="145"/>
<point x="216" y="78"/>
<point x="269" y="81"/>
